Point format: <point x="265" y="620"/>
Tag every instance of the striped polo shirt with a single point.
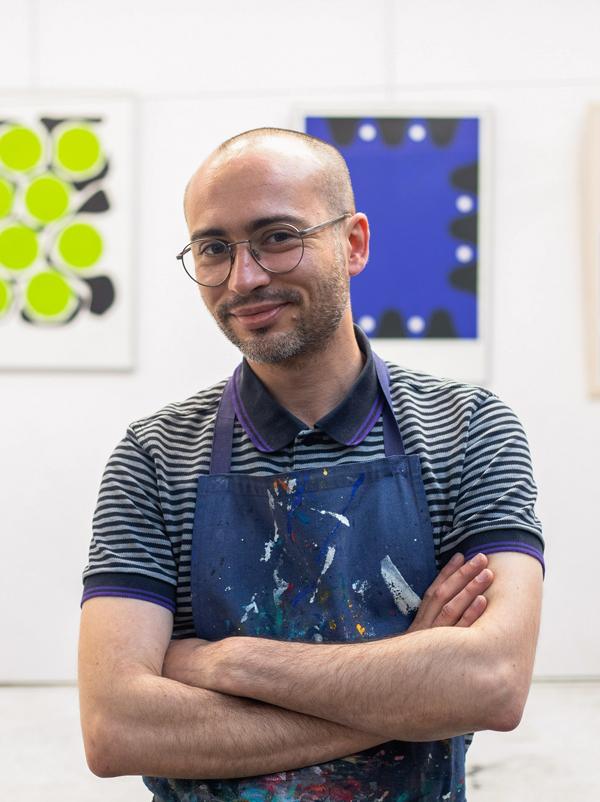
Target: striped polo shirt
<point x="473" y="452"/>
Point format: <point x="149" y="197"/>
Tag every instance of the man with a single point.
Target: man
<point x="287" y="529"/>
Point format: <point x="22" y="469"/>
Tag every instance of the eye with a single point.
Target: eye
<point x="210" y="248"/>
<point x="277" y="239"/>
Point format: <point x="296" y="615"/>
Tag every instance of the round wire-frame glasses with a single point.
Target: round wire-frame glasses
<point x="277" y="248"/>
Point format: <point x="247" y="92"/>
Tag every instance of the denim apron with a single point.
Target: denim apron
<point x="337" y="554"/>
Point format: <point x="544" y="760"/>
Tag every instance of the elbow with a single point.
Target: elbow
<point x="101" y="748"/>
<point x="507" y="694"/>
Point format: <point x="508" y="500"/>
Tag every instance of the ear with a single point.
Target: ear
<point x="358" y="243"/>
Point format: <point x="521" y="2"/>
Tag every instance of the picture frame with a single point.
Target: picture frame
<point x="591" y="250"/>
<point x="431" y="164"/>
<point x="66" y="231"/>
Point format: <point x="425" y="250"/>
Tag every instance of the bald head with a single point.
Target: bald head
<point x="329" y="170"/>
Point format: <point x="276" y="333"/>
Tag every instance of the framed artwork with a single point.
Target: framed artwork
<point x="421" y="178"/>
<point x="66" y="267"/>
<point x="592" y="248"/>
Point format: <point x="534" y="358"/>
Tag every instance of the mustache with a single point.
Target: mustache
<point x="259" y="296"/>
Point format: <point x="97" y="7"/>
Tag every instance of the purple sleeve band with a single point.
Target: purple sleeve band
<point x="129" y="593"/>
<point x="496" y="548"/>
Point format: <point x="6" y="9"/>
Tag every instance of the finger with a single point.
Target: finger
<point x="458" y="579"/>
<point x="453" y="610"/>
<point x="473" y="612"/>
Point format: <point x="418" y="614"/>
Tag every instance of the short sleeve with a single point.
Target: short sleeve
<point x="130" y="553"/>
<point x="494" y="509"/>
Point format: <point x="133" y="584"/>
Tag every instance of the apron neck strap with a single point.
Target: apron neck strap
<point x="220" y="461"/>
<point x="391" y="432"/>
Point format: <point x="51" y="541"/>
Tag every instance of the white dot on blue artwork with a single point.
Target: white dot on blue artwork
<point x="367" y="132"/>
<point x="367" y="324"/>
<point x="464" y="253"/>
<point x="464" y="203"/>
<point x="417" y="132"/>
<point x="415" y="324"/>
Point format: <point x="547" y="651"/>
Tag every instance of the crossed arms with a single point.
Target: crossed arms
<point x="247" y="706"/>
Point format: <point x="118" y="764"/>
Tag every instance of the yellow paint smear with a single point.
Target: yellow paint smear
<point x="360" y="629"/>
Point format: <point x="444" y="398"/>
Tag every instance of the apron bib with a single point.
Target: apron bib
<point x="334" y="554"/>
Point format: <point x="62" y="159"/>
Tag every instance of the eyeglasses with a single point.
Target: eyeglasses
<point x="277" y="248"/>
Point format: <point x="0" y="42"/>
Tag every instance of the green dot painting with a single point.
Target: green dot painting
<point x="20" y="148"/>
<point x="18" y="247"/>
<point x="80" y="245"/>
<point x="48" y="295"/>
<point x="47" y="198"/>
<point x="7" y="194"/>
<point x="78" y="150"/>
<point x="5" y="297"/>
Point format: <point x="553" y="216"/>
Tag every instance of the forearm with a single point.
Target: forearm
<point x="422" y="686"/>
<point x="159" y="727"/>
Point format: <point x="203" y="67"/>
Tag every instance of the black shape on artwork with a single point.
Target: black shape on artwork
<point x="465" y="228"/>
<point x="440" y="325"/>
<point x="86" y="182"/>
<point x="102" y="294"/>
<point x="50" y="321"/>
<point x="98" y="202"/>
<point x="392" y="129"/>
<point x="442" y="130"/>
<point x="52" y="122"/>
<point x="464" y="278"/>
<point x="343" y="129"/>
<point x="391" y="324"/>
<point x="466" y="178"/>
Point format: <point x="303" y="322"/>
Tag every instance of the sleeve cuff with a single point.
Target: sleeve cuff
<point x="498" y="540"/>
<point x="129" y="586"/>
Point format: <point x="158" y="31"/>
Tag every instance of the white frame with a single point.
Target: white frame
<point x="592" y="249"/>
<point x="462" y="360"/>
<point x="88" y="343"/>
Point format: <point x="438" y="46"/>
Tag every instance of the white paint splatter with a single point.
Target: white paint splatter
<point x="341" y="518"/>
<point x="404" y="596"/>
<point x="252" y="607"/>
<point x="448" y="795"/>
<point x="271" y="500"/>
<point x="269" y="544"/>
<point x="228" y="587"/>
<point x="291" y="485"/>
<point x="317" y="637"/>
<point x="328" y="560"/>
<point x="360" y="587"/>
<point x="280" y="588"/>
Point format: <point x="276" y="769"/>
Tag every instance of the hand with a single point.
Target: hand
<point x="454" y="598"/>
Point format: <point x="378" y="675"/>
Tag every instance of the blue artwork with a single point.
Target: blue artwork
<point x="417" y="181"/>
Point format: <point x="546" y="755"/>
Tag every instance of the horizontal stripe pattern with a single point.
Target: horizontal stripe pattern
<point x="475" y="465"/>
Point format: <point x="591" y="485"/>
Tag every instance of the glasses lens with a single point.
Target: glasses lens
<point x="207" y="261"/>
<point x="277" y="248"/>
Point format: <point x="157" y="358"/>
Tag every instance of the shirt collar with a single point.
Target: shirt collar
<point x="271" y="427"/>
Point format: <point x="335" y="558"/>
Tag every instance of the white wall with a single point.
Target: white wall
<point x="203" y="71"/>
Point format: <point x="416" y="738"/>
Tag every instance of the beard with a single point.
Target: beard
<point x="313" y="327"/>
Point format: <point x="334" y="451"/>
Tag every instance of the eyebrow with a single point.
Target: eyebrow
<point x="261" y="222"/>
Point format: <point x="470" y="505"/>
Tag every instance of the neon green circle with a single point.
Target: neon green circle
<point x="20" y="148"/>
<point x="78" y="149"/>
<point x="18" y="247"/>
<point x="47" y="198"/>
<point x="80" y="245"/>
<point x="7" y="194"/>
<point x="5" y="297"/>
<point x="48" y="294"/>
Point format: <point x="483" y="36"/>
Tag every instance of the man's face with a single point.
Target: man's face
<point x="271" y="317"/>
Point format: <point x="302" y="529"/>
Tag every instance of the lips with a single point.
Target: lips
<point x="258" y="315"/>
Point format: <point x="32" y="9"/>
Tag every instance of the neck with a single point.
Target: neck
<point x="311" y="386"/>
